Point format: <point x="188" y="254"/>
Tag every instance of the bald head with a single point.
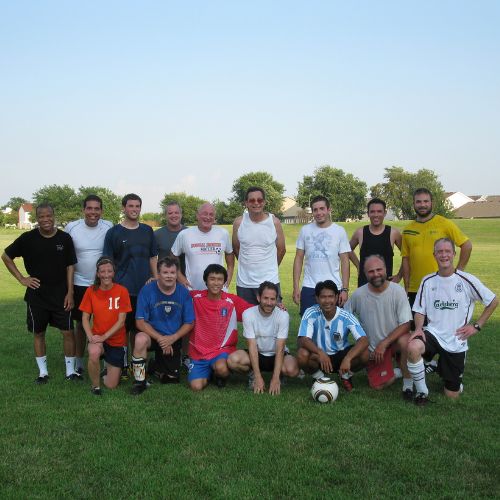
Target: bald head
<point x="375" y="271"/>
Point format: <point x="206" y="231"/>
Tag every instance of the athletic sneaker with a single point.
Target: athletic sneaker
<point x="186" y="361"/>
<point x="347" y="384"/>
<point x="138" y="388"/>
<point x="169" y="379"/>
<point x="96" y="391"/>
<point x="407" y="395"/>
<point x="124" y="376"/>
<point x="220" y="382"/>
<point x="74" y="376"/>
<point x="430" y="367"/>
<point x="421" y="399"/>
<point x="42" y="380"/>
<point x="79" y="370"/>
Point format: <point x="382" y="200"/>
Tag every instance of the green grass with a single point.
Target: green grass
<point x="59" y="441"/>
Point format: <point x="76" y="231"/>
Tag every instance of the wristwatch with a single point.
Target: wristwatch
<point x="344" y="290"/>
<point x="477" y="327"/>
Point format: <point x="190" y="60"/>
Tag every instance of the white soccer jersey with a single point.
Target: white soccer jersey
<point x="88" y="242"/>
<point x="265" y="329"/>
<point x="200" y="250"/>
<point x="448" y="303"/>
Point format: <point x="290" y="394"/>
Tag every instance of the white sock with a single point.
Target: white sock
<point x="79" y="363"/>
<point x="41" y="361"/>
<point x="346" y="376"/>
<point x="317" y="374"/>
<point x="397" y="372"/>
<point x="407" y="384"/>
<point x="417" y="372"/>
<point x="70" y="365"/>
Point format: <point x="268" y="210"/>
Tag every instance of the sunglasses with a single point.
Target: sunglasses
<point x="255" y="200"/>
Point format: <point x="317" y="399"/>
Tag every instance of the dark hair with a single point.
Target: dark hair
<point x="100" y="261"/>
<point x="422" y="191"/>
<point x="267" y="284"/>
<point x="44" y="205"/>
<point x="329" y="284"/>
<point x="214" y="269"/>
<point x="130" y="197"/>
<point x="252" y="189"/>
<point x="168" y="262"/>
<point x="375" y="201"/>
<point x="92" y="197"/>
<point x="320" y="197"/>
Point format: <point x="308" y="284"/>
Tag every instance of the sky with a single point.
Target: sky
<point x="154" y="97"/>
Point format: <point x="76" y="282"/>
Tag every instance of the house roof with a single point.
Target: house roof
<point x="27" y="207"/>
<point x="480" y="209"/>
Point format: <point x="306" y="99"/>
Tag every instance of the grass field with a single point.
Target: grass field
<point x="59" y="441"/>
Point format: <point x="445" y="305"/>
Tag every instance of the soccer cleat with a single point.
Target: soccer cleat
<point x="74" y="376"/>
<point x="79" y="370"/>
<point x="421" y="399"/>
<point x="220" y="382"/>
<point x="42" y="380"/>
<point x="169" y="379"/>
<point x="186" y="362"/>
<point x="124" y="376"/>
<point x="407" y="395"/>
<point x="430" y="367"/>
<point x="96" y="391"/>
<point x="347" y="384"/>
<point x="138" y="388"/>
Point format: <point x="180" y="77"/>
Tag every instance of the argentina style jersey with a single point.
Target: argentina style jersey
<point x="448" y="303"/>
<point x="330" y="336"/>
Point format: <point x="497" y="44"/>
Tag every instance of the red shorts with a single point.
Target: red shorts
<point x="381" y="373"/>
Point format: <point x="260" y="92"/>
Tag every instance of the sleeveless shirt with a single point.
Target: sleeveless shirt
<point x="379" y="244"/>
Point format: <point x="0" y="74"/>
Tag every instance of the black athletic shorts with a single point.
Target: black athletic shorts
<point x="266" y="363"/>
<point x="338" y="357"/>
<point x="450" y="364"/>
<point x="115" y="356"/>
<point x="38" y="318"/>
<point x="250" y="294"/>
<point x="78" y="293"/>
<point x="170" y="364"/>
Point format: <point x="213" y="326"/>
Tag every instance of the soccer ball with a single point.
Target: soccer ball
<point x="324" y="390"/>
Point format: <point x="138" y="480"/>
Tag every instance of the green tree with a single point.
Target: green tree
<point x="111" y="202"/>
<point x="152" y="218"/>
<point x="274" y="190"/>
<point x="397" y="191"/>
<point x="187" y="202"/>
<point x="64" y="199"/>
<point x="225" y="213"/>
<point x="345" y="192"/>
<point x="15" y="203"/>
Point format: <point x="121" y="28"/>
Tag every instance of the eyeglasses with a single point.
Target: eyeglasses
<point x="256" y="200"/>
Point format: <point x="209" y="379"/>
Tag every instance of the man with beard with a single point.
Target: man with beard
<point x="384" y="313"/>
<point x="446" y="299"/>
<point x="418" y="242"/>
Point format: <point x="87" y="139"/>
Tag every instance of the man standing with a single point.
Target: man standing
<point x="166" y="235"/>
<point x="259" y="245"/>
<point x="49" y="258"/>
<point x="215" y="332"/>
<point x="323" y="338"/>
<point x="384" y="313"/>
<point x="418" y="242"/>
<point x="266" y="329"/>
<point x="326" y="249"/>
<point x="88" y="238"/>
<point x="132" y="247"/>
<point x="164" y="316"/>
<point x="203" y="245"/>
<point x="446" y="299"/>
<point x="374" y="239"/>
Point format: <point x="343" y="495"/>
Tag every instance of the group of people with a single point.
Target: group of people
<point x="133" y="290"/>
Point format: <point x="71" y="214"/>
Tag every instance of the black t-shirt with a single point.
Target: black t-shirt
<point x="46" y="259"/>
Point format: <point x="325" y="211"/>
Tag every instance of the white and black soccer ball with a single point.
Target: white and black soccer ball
<point x="324" y="390"/>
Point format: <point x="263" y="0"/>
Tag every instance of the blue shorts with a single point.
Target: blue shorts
<point x="202" y="368"/>
<point x="115" y="355"/>
<point x="307" y="299"/>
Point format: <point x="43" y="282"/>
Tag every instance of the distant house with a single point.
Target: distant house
<point x="292" y="213"/>
<point x="458" y="199"/>
<point x="24" y="216"/>
<point x="482" y="207"/>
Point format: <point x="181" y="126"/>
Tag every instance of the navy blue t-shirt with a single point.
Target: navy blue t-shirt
<point x="131" y="249"/>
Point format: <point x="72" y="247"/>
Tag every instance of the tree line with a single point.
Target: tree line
<point x="346" y="193"/>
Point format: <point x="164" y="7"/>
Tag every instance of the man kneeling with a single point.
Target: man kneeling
<point x="266" y="329"/>
<point x="215" y="333"/>
<point x="164" y="315"/>
<point x="323" y="338"/>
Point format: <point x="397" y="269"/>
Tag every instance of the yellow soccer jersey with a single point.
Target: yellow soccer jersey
<point x="418" y="245"/>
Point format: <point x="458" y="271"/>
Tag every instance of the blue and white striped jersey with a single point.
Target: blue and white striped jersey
<point x="330" y="336"/>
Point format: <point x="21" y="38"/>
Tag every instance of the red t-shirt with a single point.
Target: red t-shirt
<point x="216" y="324"/>
<point x="105" y="306"/>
